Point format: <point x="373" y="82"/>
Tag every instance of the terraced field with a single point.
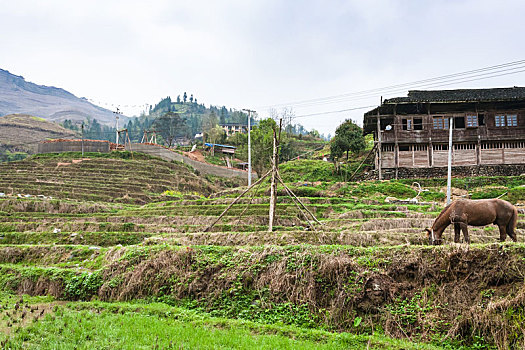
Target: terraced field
<point x="133" y="248"/>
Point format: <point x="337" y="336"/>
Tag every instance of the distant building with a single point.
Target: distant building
<point x="226" y="149"/>
<point x="233" y="128"/>
<point x="488" y="128"/>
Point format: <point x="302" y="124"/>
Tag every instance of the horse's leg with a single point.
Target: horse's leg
<point x="457" y="233"/>
<point x="512" y="235"/>
<point x="502" y="233"/>
<point x="465" y="232"/>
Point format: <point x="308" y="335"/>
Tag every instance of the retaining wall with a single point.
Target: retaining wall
<point x="201" y="167"/>
<point x="461" y="171"/>
<point x="73" y="146"/>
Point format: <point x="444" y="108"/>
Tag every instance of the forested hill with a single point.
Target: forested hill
<point x="195" y="117"/>
<point x="187" y="117"/>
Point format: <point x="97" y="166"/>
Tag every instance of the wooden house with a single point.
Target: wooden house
<point x="488" y="128"/>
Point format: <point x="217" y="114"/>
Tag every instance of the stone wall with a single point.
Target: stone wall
<point x="73" y="146"/>
<point x="203" y="168"/>
<point x="457" y="171"/>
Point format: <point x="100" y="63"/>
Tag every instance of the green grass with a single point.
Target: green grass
<point x="312" y="170"/>
<point x="158" y="326"/>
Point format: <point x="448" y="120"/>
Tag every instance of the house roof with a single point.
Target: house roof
<point x="233" y="124"/>
<point x="461" y="95"/>
<point x="217" y="145"/>
<point x="416" y="100"/>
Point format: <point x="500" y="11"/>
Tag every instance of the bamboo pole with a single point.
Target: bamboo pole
<point x="300" y="209"/>
<point x="236" y="200"/>
<point x="297" y="199"/>
<point x="273" y="195"/>
<point x="360" y="165"/>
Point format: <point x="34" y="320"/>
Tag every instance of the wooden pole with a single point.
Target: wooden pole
<point x="273" y="195"/>
<point x="129" y="141"/>
<point x="297" y="199"/>
<point x="449" y="165"/>
<point x="379" y="145"/>
<point x="360" y="165"/>
<point x="300" y="209"/>
<point x="236" y="200"/>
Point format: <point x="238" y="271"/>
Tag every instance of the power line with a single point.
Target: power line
<point x="331" y="112"/>
<point x="446" y="83"/>
<point x="424" y="82"/>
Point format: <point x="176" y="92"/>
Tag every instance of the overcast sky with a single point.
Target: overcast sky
<point x="255" y="54"/>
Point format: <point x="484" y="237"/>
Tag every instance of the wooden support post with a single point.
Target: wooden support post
<point x="430" y="123"/>
<point x="360" y="165"/>
<point x="396" y="144"/>
<point x="379" y="145"/>
<point x="297" y="199"/>
<point x="273" y="194"/>
<point x="236" y="200"/>
<point x="449" y="165"/>
<point x="129" y="141"/>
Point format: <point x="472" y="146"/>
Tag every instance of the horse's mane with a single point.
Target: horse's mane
<point x="442" y="213"/>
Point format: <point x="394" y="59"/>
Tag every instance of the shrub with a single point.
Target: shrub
<point x="83" y="286"/>
<point x="517" y="194"/>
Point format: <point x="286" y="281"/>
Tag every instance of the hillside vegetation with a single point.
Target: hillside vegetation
<point x="131" y="259"/>
<point x="21" y="133"/>
<point x="114" y="177"/>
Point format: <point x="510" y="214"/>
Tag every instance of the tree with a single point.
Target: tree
<point x="170" y="126"/>
<point x="216" y="135"/>
<point x="348" y="138"/>
<point x="314" y="133"/>
<point x="262" y="145"/>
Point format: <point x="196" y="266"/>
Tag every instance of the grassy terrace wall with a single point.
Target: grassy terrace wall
<point x="99" y="177"/>
<point x="425" y="293"/>
<point x="367" y="270"/>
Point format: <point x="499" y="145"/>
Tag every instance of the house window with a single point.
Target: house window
<point x="472" y="121"/>
<point x="407" y="124"/>
<point x="506" y="120"/>
<point x="481" y="119"/>
<point x="440" y="123"/>
<point x="418" y="124"/>
<point x="512" y="120"/>
<point x="388" y="148"/>
<point x="459" y="122"/>
<point x="500" y="120"/>
<point x="443" y="147"/>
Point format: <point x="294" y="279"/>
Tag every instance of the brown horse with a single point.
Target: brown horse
<point x="481" y="212"/>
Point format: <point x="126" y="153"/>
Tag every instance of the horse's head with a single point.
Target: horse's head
<point x="434" y="238"/>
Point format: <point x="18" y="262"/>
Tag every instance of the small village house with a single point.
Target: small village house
<point x="234" y="128"/>
<point x="412" y="132"/>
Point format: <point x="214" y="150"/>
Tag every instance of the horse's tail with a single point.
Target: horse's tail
<point x="511" y="226"/>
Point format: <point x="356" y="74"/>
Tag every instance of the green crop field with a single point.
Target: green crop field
<point x="114" y="254"/>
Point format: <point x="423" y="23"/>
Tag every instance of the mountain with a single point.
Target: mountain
<point x="21" y="132"/>
<point x="54" y="104"/>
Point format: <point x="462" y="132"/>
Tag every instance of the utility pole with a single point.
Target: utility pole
<point x="449" y="167"/>
<point x="117" y="113"/>
<point x="249" y="146"/>
<point x="82" y="140"/>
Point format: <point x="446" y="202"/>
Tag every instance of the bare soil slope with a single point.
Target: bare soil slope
<point x="24" y="132"/>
